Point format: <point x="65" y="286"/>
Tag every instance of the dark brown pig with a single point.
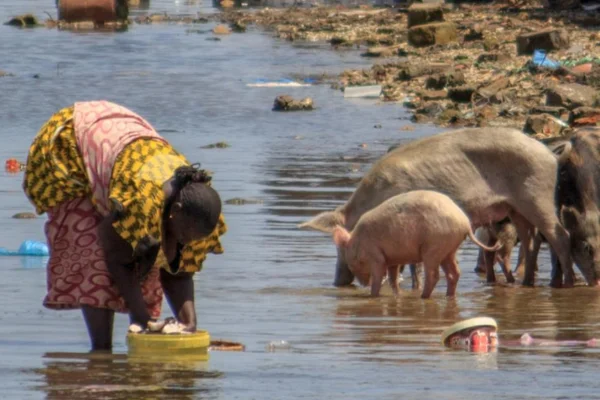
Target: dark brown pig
<point x="578" y="199"/>
<point x="504" y="232"/>
<point x="491" y="173"/>
<point x="418" y="226"/>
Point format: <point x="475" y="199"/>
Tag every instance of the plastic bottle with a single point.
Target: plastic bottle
<point x="33" y="248"/>
<point x="27" y="248"/>
<point x="277" y="345"/>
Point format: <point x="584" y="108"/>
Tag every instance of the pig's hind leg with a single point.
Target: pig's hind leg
<point x="392" y="272"/>
<point x="432" y="275"/>
<point x="452" y="272"/>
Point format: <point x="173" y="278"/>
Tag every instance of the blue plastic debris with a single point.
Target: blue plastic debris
<point x="541" y="59"/>
<point x="284" y="82"/>
<point x="27" y="248"/>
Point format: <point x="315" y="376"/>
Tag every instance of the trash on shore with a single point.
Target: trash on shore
<point x="277" y="83"/>
<point x="362" y="91"/>
<point x="541" y="59"/>
<point x="277" y="345"/>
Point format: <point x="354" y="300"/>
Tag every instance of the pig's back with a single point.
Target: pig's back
<point x="419" y="213"/>
<point x="472" y="166"/>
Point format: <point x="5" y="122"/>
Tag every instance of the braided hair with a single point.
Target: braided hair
<point x="199" y="201"/>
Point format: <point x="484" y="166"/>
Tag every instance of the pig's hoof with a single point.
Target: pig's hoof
<point x="556" y="284"/>
<point x="478" y="270"/>
<point x="528" y="283"/>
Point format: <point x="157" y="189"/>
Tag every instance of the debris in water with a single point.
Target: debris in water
<point x="277" y="345"/>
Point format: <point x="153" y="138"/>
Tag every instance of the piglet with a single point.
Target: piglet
<point x="417" y="226"/>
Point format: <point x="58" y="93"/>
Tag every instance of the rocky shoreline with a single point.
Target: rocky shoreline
<point x="462" y="65"/>
<point x="453" y="65"/>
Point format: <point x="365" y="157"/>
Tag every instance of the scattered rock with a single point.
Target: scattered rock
<point x="487" y="92"/>
<point x="238" y="26"/>
<point x="544" y="125"/>
<point x="429" y="34"/>
<point x="287" y="103"/>
<point x="382" y="51"/>
<point x="434" y="95"/>
<point x="4" y="73"/>
<point x="571" y="96"/>
<point x="411" y="71"/>
<point x="218" y="145"/>
<point x="561" y="4"/>
<point x="238" y="201"/>
<point x="492" y="58"/>
<point x="559" y="112"/>
<point x="491" y="44"/>
<point x="24" y="215"/>
<point x="23" y="21"/>
<point x="428" y="111"/>
<point x="221" y="30"/>
<point x="474" y="33"/>
<point x="485" y="114"/>
<point x="461" y="94"/>
<point x="447" y="79"/>
<point x="420" y="14"/>
<point x="550" y="39"/>
<point x="449" y="117"/>
<point x="213" y="39"/>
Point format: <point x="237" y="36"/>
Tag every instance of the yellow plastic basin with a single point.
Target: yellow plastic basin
<point x="177" y="344"/>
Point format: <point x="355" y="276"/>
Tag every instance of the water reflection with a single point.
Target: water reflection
<point x="142" y="4"/>
<point x="117" y="376"/>
<point x="305" y="178"/>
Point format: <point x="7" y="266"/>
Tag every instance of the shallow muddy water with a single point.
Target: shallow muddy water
<point x="274" y="282"/>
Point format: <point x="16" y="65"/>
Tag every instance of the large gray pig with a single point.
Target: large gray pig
<point x="412" y="227"/>
<point x="490" y="173"/>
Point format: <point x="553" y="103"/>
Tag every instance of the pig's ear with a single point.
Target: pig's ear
<point x="324" y="222"/>
<point x="341" y="236"/>
<point x="562" y="151"/>
<point x="570" y="218"/>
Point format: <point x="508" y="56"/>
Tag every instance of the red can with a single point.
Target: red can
<point x="476" y="334"/>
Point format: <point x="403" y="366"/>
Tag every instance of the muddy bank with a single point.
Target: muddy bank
<point x="462" y="65"/>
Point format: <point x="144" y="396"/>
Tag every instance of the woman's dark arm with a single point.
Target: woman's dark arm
<point x="119" y="255"/>
<point x="179" y="290"/>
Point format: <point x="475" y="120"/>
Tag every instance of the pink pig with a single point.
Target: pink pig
<point x="417" y="226"/>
